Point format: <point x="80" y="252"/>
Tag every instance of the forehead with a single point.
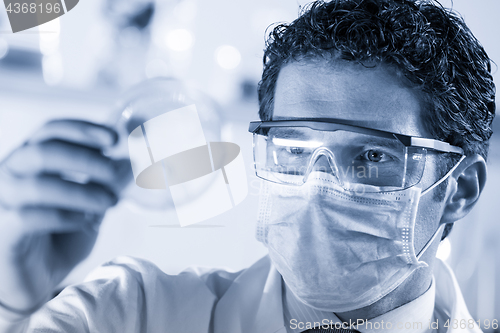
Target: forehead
<point x="375" y="96"/>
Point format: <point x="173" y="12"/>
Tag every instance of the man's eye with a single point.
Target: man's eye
<point x="375" y="156"/>
<point x="295" y="150"/>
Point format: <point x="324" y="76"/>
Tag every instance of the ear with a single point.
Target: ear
<point x="465" y="186"/>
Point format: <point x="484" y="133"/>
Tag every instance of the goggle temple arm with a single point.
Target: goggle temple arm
<point x="444" y="177"/>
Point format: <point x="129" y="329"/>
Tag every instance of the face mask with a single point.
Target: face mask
<point x="337" y="250"/>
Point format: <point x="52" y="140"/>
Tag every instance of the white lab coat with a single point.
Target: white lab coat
<point x="133" y="295"/>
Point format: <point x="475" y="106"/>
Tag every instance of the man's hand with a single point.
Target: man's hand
<point x="54" y="192"/>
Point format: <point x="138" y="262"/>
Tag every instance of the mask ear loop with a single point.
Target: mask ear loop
<point x="444" y="177"/>
<point x="430" y="241"/>
<point x="441" y="227"/>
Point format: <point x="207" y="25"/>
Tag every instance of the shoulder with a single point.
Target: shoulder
<point x="134" y="294"/>
<point x="219" y="280"/>
<point x="126" y="273"/>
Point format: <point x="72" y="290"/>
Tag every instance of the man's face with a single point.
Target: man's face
<point x="374" y="97"/>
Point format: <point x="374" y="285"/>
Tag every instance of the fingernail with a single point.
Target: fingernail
<point x="114" y="136"/>
<point x="106" y="137"/>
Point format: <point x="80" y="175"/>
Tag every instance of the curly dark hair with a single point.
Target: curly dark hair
<point x="428" y="44"/>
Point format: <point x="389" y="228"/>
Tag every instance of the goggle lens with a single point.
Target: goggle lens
<point x="288" y="155"/>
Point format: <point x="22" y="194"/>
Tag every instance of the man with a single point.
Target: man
<point x="376" y="117"/>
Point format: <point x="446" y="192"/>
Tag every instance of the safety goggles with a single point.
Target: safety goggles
<point x="286" y="151"/>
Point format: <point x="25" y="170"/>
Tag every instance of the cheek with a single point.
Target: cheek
<point x="427" y="221"/>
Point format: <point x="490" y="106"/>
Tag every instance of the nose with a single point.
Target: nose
<point x="322" y="165"/>
<point x="322" y="160"/>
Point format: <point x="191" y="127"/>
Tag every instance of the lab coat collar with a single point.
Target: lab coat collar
<point x="449" y="300"/>
<point x="253" y="303"/>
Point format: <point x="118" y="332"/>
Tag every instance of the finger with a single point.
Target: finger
<point x="52" y="220"/>
<point x="57" y="157"/>
<point x="76" y="131"/>
<point x="52" y="191"/>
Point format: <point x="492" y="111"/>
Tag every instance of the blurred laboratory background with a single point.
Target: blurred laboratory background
<point x="85" y="63"/>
